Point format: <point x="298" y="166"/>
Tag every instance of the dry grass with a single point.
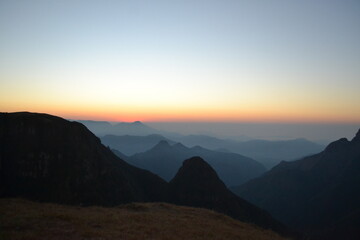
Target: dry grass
<point x="22" y="219"/>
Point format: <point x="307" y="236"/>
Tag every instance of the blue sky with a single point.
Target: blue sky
<point x="152" y="60"/>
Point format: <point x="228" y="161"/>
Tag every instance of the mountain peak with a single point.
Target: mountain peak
<point x="196" y="172"/>
<point x="137" y="123"/>
<point x="196" y="162"/>
<point x="309" y="183"/>
<point x="162" y="144"/>
<point x="179" y="145"/>
<point x="197" y="184"/>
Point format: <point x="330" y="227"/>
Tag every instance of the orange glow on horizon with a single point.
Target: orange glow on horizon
<point x="178" y="114"/>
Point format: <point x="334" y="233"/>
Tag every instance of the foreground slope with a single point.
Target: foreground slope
<point x="319" y="194"/>
<point x="20" y="219"/>
<point x="47" y="158"/>
<point x="165" y="159"/>
<point x="197" y="184"/>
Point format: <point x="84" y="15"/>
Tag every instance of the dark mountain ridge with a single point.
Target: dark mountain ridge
<point x="267" y="152"/>
<point x="197" y="184"/>
<point x="130" y="145"/>
<point x="102" y="128"/>
<point x="47" y="158"/>
<point x="44" y="157"/>
<point x="165" y="159"/>
<point x="318" y="194"/>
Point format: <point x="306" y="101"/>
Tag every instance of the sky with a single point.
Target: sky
<point x="266" y="61"/>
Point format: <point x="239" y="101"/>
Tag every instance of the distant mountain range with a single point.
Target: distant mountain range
<point x="46" y="158"/>
<point x="136" y="137"/>
<point x="165" y="159"/>
<point x="130" y="145"/>
<point x="319" y="194"/>
<point x="269" y="153"/>
<point x="101" y="128"/>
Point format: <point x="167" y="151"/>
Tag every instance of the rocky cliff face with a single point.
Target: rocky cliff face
<point x="48" y="158"/>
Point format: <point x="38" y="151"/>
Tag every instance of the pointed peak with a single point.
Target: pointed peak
<point x="198" y="168"/>
<point x="195" y="161"/>
<point x="179" y="145"/>
<point x="195" y="174"/>
<point x="162" y="144"/>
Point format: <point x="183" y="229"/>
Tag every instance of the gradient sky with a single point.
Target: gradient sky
<point x="206" y="60"/>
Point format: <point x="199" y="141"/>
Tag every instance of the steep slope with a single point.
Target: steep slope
<point x="197" y="184"/>
<point x="47" y="158"/>
<point x="317" y="194"/>
<point x="130" y="145"/>
<point x="21" y="219"/>
<point x="165" y="159"/>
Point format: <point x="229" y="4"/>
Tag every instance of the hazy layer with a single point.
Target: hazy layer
<point x="323" y="133"/>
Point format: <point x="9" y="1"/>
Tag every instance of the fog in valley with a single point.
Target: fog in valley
<point x="322" y="133"/>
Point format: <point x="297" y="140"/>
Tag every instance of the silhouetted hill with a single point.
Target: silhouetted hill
<point x="319" y="194"/>
<point x="269" y="153"/>
<point x="197" y="184"/>
<point x="165" y="159"/>
<point x="101" y="128"/>
<point x="130" y="145"/>
<point x="47" y="158"/>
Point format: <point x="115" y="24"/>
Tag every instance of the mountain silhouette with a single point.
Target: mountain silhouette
<point x="197" y="184"/>
<point x="47" y="158"/>
<point x="319" y="194"/>
<point x="130" y="145"/>
<point x="137" y="137"/>
<point x="101" y="128"/>
<point x="165" y="159"/>
<point x="269" y="153"/>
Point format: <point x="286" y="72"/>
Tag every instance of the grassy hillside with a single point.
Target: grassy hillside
<point x="22" y="219"/>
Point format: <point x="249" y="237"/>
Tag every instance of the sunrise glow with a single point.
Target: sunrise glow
<point x="211" y="61"/>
